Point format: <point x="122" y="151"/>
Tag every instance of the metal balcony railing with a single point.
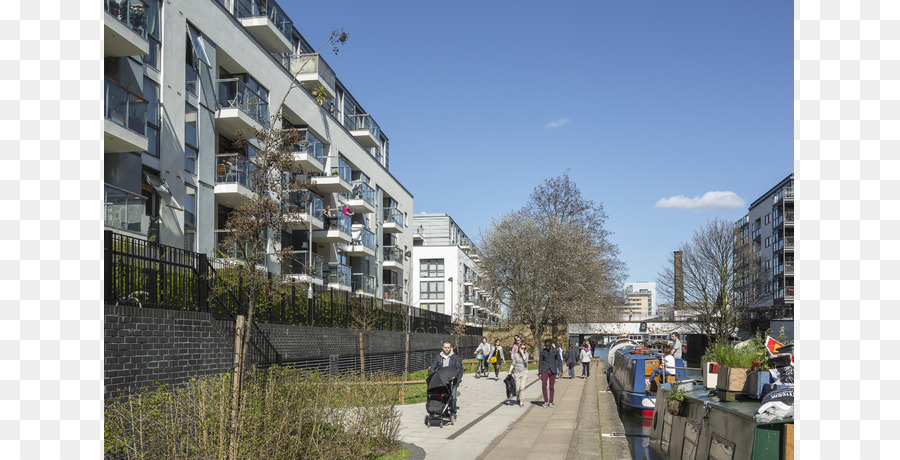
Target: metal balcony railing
<point x="123" y="107"/>
<point x="233" y="92"/>
<point x="363" y="191"/>
<point x="124" y="210"/>
<point x="362" y="121"/>
<point x="267" y="8"/>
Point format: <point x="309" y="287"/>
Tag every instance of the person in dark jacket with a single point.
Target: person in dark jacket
<point x="572" y="359"/>
<point x="448" y="358"/>
<point x="549" y="363"/>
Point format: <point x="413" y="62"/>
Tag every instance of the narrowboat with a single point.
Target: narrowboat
<point x="706" y="427"/>
<point x="630" y="365"/>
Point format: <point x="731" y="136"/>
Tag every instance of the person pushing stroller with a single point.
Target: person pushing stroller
<point x="446" y="358"/>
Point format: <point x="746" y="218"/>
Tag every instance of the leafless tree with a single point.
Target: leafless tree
<point x="551" y="262"/>
<point x="721" y="274"/>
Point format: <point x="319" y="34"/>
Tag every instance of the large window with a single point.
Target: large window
<point x="431" y="268"/>
<point x="433" y="290"/>
<point x="151" y="93"/>
<point x="153" y="37"/>
<point x="436" y="307"/>
<point x="190" y="138"/>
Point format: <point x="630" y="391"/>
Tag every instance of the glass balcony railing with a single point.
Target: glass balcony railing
<point x="310" y="144"/>
<point x="296" y="262"/>
<point x="363" y="283"/>
<point x="363" y="191"/>
<point x="364" y="237"/>
<point x="393" y="215"/>
<point x="306" y="64"/>
<point x="265" y="8"/>
<point x="299" y="201"/>
<point x="123" y="107"/>
<point x="232" y="168"/>
<point x="362" y="121"/>
<point x="232" y="251"/>
<point x="235" y="93"/>
<point x="342" y="169"/>
<point x="340" y="221"/>
<point x="124" y="210"/>
<point x="393" y="254"/>
<point x="132" y="13"/>
<point x="337" y="274"/>
<point x="393" y="292"/>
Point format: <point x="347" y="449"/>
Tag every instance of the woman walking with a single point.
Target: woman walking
<point x="586" y="362"/>
<point x="518" y="368"/>
<point x="498" y="359"/>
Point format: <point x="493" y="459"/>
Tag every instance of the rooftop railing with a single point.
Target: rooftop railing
<point x="123" y="107"/>
<point x="233" y="92"/>
<point x="362" y="121"/>
<point x="363" y="191"/>
<point x="124" y="210"/>
<point x="393" y="215"/>
<point x="268" y="8"/>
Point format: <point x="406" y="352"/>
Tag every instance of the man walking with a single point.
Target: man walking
<point x="484" y="350"/>
<point x="677" y="345"/>
<point x="572" y="360"/>
<point x="444" y="359"/>
<point x="549" y="363"/>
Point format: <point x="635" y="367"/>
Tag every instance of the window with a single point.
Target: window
<point x="437" y="307"/>
<point x="190" y="207"/>
<point x="194" y="54"/>
<point x="152" y="9"/>
<point x="768" y="219"/>
<point x="151" y="93"/>
<point x="431" y="268"/>
<point x="433" y="290"/>
<point x="190" y="138"/>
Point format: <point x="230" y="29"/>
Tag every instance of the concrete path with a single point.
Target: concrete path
<point x="489" y="428"/>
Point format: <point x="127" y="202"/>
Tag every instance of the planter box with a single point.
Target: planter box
<point x="732" y="379"/>
<point x="758" y="383"/>
<point x="674" y="407"/>
<point x="710" y="374"/>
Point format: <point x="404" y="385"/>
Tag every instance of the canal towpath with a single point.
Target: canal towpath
<point x="579" y="426"/>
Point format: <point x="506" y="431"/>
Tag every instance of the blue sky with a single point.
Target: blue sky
<point x="640" y="101"/>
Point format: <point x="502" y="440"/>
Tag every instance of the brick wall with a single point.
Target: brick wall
<point x="145" y="346"/>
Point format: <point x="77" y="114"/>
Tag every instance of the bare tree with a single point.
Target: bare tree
<point x="551" y="262"/>
<point x="721" y="275"/>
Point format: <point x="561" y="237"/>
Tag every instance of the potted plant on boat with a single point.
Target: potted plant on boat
<point x="675" y="399"/>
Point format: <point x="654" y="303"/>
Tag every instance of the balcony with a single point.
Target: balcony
<point x="295" y="266"/>
<point x="336" y="229"/>
<point x="786" y="194"/>
<point x="468" y="279"/>
<point x="789" y="219"/>
<point x="125" y="115"/>
<point x="393" y="258"/>
<point x="363" y="283"/>
<point x="297" y="217"/>
<point x="362" y="198"/>
<point x="469" y="299"/>
<point x="308" y="152"/>
<point x="465" y="243"/>
<point x="363" y="243"/>
<point x="238" y="251"/>
<point x="125" y="28"/>
<point x="419" y="234"/>
<point x="364" y="129"/>
<point x="339" y="179"/>
<point x="267" y="22"/>
<point x="393" y="292"/>
<point x="312" y="72"/>
<point x="233" y="179"/>
<point x="338" y="276"/>
<point x="393" y="220"/>
<point x="124" y="211"/>
<point x="240" y="109"/>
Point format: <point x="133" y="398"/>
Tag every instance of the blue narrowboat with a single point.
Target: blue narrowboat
<point x="629" y="368"/>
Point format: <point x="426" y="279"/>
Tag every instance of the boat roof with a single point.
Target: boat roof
<point x="742" y="408"/>
<point x="638" y="353"/>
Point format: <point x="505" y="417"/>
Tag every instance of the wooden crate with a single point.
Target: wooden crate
<point x="789" y="441"/>
<point x="732" y="379"/>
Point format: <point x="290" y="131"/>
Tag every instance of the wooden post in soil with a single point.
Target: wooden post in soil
<point x="362" y="355"/>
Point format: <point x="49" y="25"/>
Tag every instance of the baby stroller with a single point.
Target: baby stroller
<point x="438" y="393"/>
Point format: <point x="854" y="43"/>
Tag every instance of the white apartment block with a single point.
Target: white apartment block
<point x="445" y="272"/>
<point x="640" y="298"/>
<point x="182" y="78"/>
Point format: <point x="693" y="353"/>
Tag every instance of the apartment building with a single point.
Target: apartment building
<point x="640" y="298"/>
<point x="183" y="79"/>
<point x="769" y="228"/>
<point x="446" y="271"/>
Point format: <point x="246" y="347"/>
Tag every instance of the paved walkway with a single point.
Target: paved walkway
<point x="489" y="428"/>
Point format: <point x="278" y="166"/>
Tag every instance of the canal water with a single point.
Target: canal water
<point x="637" y="429"/>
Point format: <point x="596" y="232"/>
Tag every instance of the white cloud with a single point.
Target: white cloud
<point x="557" y="123"/>
<point x="709" y="200"/>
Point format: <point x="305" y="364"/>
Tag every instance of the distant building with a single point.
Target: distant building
<point x="445" y="266"/>
<point x="769" y="227"/>
<point x="640" y="298"/>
